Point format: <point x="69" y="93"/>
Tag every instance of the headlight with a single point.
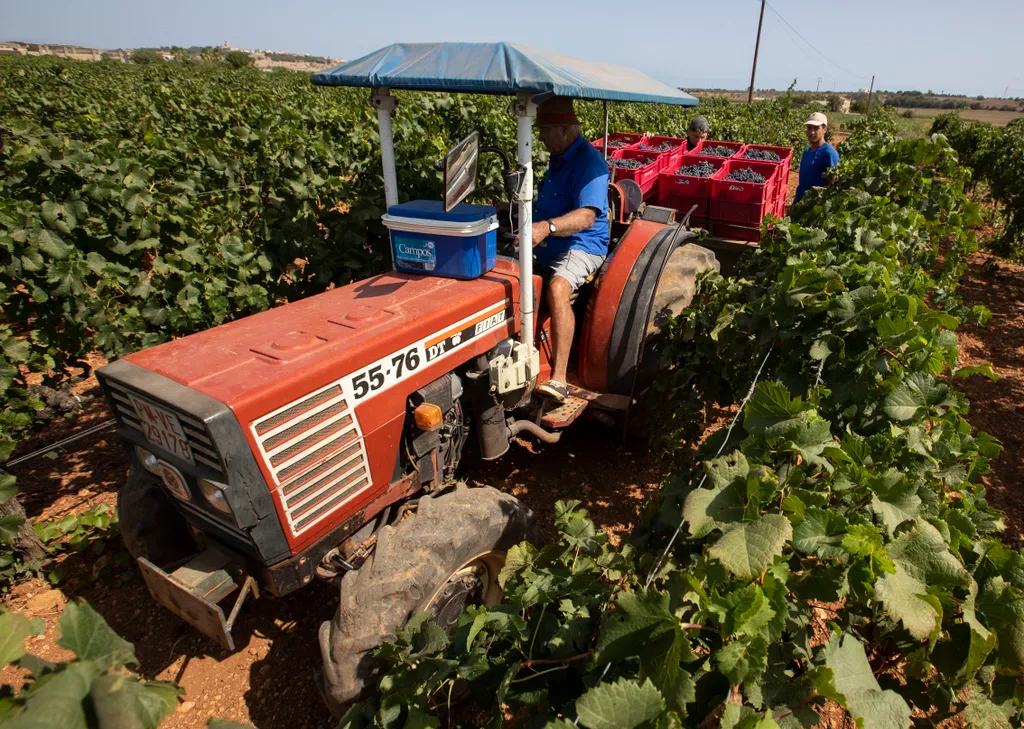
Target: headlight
<point x="214" y="493"/>
<point x="148" y="461"/>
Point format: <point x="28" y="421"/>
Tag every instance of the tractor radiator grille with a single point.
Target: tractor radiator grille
<point x="314" y="449"/>
<point x="199" y="442"/>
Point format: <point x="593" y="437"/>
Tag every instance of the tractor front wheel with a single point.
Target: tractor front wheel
<point x="151" y="526"/>
<point x="441" y="558"/>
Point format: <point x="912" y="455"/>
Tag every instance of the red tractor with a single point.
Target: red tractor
<point x="320" y="439"/>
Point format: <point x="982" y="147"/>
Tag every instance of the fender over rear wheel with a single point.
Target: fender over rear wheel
<point x="440" y="559"/>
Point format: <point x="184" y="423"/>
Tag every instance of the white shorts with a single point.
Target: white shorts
<point x="575" y="266"/>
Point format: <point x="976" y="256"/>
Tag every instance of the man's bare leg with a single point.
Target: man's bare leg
<point x="563" y="324"/>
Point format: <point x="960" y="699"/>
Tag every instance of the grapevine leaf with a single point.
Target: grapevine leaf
<point x="9" y="527"/>
<point x="746" y="549"/>
<point x="50" y="243"/>
<point x="84" y="632"/>
<point x="517" y="558"/>
<point x="743" y="661"/>
<point x="771" y="410"/>
<point x="14" y="628"/>
<point x="921" y="558"/>
<point x="57" y="702"/>
<point x="897" y="506"/>
<point x="122" y="701"/>
<point x="857" y="689"/>
<point x="8" y="487"/>
<point x="706" y="509"/>
<point x="1003" y="613"/>
<point x="917" y="392"/>
<point x="983" y="713"/>
<point x="972" y="370"/>
<point x="820" y="533"/>
<point x="624" y="704"/>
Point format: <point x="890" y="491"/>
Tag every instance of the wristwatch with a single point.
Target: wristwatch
<point x="551" y="228"/>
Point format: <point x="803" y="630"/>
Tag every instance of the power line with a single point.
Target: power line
<point x="841" y="68"/>
<point x="796" y="44"/>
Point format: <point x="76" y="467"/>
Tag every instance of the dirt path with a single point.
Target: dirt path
<point x="998" y="407"/>
<point x="267" y="682"/>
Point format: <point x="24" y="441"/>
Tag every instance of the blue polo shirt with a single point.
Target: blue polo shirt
<point x="813" y="165"/>
<point x="577" y="178"/>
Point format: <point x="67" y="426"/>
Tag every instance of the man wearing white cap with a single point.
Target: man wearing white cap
<point x="817" y="159"/>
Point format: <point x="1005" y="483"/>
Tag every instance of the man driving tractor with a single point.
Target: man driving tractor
<point x="570" y="232"/>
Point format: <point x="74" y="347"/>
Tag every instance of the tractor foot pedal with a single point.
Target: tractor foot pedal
<point x="565" y="414"/>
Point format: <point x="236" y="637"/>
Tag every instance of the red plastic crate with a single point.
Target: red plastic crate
<point x="682" y="191"/>
<point x="731" y="231"/>
<point x="628" y="140"/>
<point x="669" y="158"/>
<point x="745" y="192"/>
<point x="738" y="146"/>
<point x="646" y="177"/>
<point x="682" y="205"/>
<point x="727" y="211"/>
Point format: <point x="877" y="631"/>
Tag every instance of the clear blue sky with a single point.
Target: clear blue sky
<point x="942" y="45"/>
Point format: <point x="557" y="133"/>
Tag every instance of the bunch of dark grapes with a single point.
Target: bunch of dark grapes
<point x="746" y="174"/>
<point x="701" y="169"/>
<point x="765" y="155"/>
<point x="629" y="164"/>
<point x="663" y="147"/>
<point x="719" y="151"/>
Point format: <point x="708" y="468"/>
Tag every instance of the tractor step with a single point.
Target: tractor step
<point x="565" y="414"/>
<point x="600" y="400"/>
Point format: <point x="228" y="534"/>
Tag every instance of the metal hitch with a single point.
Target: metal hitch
<point x="193" y="590"/>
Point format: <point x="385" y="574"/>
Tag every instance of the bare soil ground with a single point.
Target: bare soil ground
<point x="267" y="682"/>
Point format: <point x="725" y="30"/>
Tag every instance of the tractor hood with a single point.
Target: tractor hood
<point x="253" y="363"/>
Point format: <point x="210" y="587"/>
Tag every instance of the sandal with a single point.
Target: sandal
<point x="554" y="389"/>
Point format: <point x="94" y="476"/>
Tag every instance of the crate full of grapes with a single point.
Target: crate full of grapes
<point x="641" y="167"/>
<point x="721" y="150"/>
<point x="689" y="184"/>
<point x="782" y="156"/>
<point x="618" y="141"/>
<point x="670" y="149"/>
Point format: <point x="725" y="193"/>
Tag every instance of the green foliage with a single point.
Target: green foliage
<point x="146" y="56"/>
<point x="995" y="157"/>
<point x="94" y="533"/>
<point x="91" y="691"/>
<point x="851" y="483"/>
<point x="238" y="59"/>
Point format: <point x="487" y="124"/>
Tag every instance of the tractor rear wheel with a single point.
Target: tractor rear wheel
<point x="438" y="560"/>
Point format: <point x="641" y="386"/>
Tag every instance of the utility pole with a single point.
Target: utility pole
<point x="871" y="92"/>
<point x="757" y="47"/>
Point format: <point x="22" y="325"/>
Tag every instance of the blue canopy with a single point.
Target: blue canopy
<point x="498" y="68"/>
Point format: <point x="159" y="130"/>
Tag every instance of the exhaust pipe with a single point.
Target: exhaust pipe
<point x="515" y="427"/>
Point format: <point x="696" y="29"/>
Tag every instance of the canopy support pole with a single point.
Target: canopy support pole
<point x="525" y="111"/>
<point x="606" y="130"/>
<point x="382" y="100"/>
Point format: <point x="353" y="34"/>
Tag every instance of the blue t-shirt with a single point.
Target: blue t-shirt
<point x="577" y="178"/>
<point x="813" y="166"/>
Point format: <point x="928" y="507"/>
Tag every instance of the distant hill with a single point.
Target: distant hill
<point x="262" y="58"/>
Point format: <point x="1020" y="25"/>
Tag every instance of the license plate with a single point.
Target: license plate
<point x="162" y="428"/>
